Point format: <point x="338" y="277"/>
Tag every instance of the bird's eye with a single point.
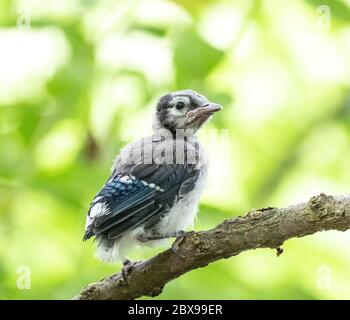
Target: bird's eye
<point x="179" y="105"/>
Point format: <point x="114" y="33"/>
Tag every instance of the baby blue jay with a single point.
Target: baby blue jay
<point x="155" y="186"/>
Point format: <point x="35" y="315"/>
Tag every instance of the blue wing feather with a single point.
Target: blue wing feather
<point x="131" y="198"/>
<point x="119" y="197"/>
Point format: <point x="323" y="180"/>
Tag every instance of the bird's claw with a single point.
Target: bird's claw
<point x="175" y="247"/>
<point x="128" y="266"/>
<point x="142" y="238"/>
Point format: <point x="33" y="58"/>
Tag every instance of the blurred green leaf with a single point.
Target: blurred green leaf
<point x="193" y="58"/>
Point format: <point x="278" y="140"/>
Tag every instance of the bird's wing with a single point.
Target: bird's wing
<point x="137" y="194"/>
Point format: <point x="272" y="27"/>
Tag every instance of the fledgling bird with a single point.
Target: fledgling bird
<point x="155" y="186"/>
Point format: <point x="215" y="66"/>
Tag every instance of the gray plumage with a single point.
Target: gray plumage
<point x="156" y="182"/>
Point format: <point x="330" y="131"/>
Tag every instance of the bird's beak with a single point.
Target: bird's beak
<point x="204" y="112"/>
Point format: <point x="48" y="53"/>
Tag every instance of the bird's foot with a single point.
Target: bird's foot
<point x="176" y="245"/>
<point x="160" y="236"/>
<point x="128" y="266"/>
<point x="179" y="235"/>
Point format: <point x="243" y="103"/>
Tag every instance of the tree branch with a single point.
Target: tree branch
<point x="264" y="228"/>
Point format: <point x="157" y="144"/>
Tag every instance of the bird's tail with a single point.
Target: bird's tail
<point x="88" y="234"/>
<point x="117" y="249"/>
<point x="109" y="251"/>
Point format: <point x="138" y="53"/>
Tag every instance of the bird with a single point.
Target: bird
<point x="156" y="182"/>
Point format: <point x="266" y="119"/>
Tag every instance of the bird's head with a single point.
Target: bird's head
<point x="185" y="109"/>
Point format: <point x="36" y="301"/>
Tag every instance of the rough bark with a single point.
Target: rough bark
<point x="263" y="228"/>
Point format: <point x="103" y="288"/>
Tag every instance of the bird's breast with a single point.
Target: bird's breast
<point x="184" y="210"/>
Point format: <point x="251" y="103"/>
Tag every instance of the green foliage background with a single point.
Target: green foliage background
<point x="79" y="79"/>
